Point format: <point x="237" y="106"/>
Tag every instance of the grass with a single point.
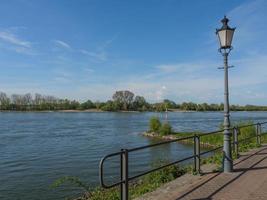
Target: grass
<point x="152" y="181"/>
<point x="148" y="183"/>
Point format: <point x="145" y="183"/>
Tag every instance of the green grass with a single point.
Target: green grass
<point x="141" y="186"/>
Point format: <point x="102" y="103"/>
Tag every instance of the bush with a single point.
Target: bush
<point x="165" y="129"/>
<point x="154" y="124"/>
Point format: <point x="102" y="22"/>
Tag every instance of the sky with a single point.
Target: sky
<point x="88" y="49"/>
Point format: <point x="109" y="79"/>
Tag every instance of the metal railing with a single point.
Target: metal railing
<point x="124" y="156"/>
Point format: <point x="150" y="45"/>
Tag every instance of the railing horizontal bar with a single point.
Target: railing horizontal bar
<point x="245" y="126"/>
<point x="161" y="167"/>
<point x="113" y="154"/>
<point x="205" y="152"/>
<point x="160" y="143"/>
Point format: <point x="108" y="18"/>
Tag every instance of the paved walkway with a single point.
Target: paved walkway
<point x="247" y="182"/>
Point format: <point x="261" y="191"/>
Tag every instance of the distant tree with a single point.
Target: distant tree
<point x="124" y="98"/>
<point x="87" y="105"/>
<point x="221" y="106"/>
<point x="74" y="105"/>
<point x="99" y="105"/>
<point x="140" y="103"/>
<point x="4" y="101"/>
<point x="109" y="106"/>
<point x="169" y="104"/>
<point x="38" y="99"/>
<point x="184" y="106"/>
<point x="159" y="107"/>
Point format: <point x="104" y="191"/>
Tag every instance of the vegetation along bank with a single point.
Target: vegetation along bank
<point x="121" y="101"/>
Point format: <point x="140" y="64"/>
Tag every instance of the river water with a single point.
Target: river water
<point x="38" y="148"/>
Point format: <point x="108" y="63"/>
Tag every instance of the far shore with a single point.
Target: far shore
<point x="119" y="111"/>
<point x="73" y="111"/>
<point x="63" y="111"/>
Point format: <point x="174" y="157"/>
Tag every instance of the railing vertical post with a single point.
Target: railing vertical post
<point x="196" y="154"/>
<point x="258" y="132"/>
<point x="236" y="132"/>
<point x="121" y="173"/>
<point x="124" y="175"/>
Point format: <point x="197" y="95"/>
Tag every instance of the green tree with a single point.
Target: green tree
<point x="140" y="103"/>
<point x="169" y="104"/>
<point x="4" y="101"/>
<point x="87" y="105"/>
<point x="124" y="98"/>
<point x="109" y="106"/>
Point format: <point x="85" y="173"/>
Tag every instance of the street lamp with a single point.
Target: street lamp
<point x="225" y="35"/>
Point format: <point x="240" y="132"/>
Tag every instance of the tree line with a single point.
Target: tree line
<point x="121" y="101"/>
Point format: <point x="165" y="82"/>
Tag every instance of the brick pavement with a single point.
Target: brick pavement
<point x="247" y="182"/>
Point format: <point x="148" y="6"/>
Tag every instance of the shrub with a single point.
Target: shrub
<point x="154" y="124"/>
<point x="165" y="129"/>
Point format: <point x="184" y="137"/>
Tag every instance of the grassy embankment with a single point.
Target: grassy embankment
<point x="154" y="180"/>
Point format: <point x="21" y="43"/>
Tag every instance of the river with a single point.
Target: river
<point x="38" y="148"/>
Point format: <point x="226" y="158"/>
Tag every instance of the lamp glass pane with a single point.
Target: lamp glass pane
<point x="229" y="37"/>
<point x="222" y="37"/>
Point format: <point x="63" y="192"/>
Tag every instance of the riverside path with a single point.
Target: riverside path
<point x="247" y="182"/>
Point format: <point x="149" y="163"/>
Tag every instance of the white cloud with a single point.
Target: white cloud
<point x="15" y="43"/>
<point x="13" y="39"/>
<point x="62" y="44"/>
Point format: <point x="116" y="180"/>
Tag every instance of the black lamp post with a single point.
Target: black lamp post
<point x="225" y="35"/>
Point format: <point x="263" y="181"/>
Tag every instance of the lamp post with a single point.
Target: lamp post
<point x="225" y="35"/>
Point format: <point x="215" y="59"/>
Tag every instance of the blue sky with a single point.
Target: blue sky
<point x="88" y="49"/>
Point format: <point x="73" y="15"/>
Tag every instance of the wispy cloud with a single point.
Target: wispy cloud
<point x="15" y="43"/>
<point x="13" y="39"/>
<point x="62" y="44"/>
<point x="107" y="43"/>
<point x="96" y="55"/>
<point x="101" y="51"/>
